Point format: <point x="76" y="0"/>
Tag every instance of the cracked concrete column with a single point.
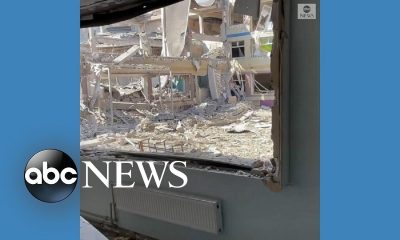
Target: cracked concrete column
<point x="201" y="24"/>
<point x="84" y="71"/>
<point x="147" y="87"/>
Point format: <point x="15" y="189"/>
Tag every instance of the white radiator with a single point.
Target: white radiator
<point x="193" y="212"/>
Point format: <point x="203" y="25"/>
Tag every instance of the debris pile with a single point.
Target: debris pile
<point x="234" y="133"/>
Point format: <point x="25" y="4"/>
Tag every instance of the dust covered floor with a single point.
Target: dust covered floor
<point x="237" y="133"/>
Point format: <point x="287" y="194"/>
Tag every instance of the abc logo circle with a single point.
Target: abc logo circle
<point x="50" y="176"/>
<point x="307" y="9"/>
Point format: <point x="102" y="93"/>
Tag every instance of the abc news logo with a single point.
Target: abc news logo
<point x="51" y="175"/>
<point x="306" y="11"/>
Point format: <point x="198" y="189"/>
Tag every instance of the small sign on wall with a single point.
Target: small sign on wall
<point x="306" y="11"/>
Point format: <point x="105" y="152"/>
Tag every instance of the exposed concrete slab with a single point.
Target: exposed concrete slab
<point x="121" y="58"/>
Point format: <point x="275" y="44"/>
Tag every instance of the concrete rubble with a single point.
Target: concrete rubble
<point x="234" y="133"/>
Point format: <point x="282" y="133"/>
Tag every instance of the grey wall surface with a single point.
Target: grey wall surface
<point x="250" y="210"/>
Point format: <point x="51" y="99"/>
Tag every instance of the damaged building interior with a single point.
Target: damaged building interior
<point x="206" y="81"/>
